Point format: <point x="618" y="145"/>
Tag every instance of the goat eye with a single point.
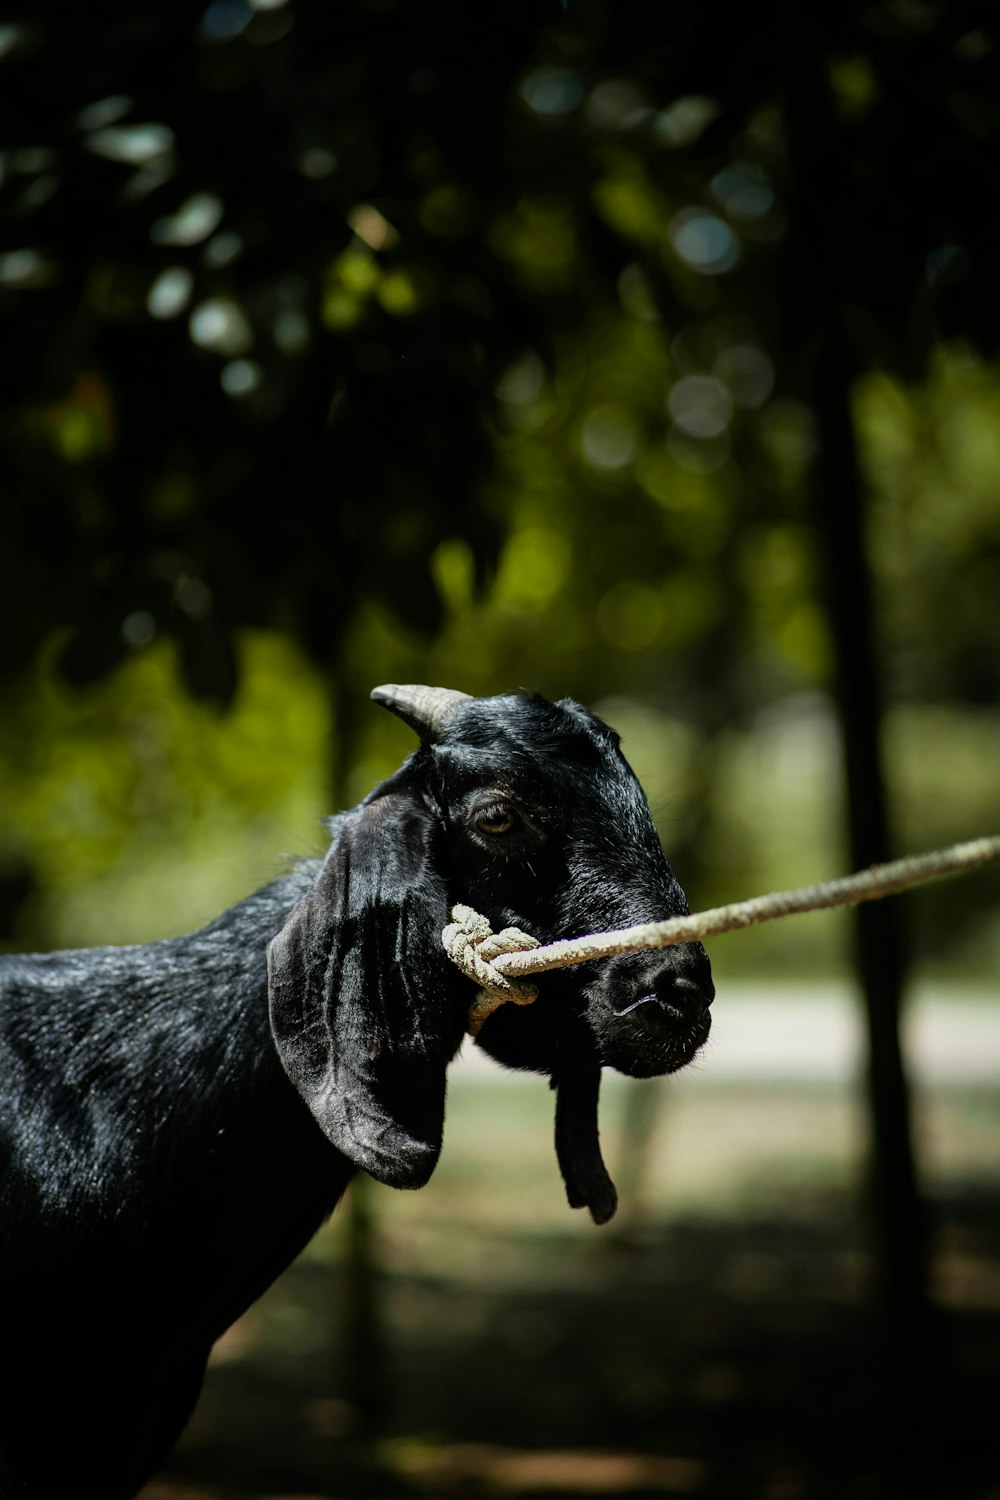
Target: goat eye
<point x="495" y="820"/>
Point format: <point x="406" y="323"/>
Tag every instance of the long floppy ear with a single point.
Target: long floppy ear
<point x="364" y="1012"/>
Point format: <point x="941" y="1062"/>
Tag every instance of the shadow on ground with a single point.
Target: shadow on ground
<point x="706" y="1357"/>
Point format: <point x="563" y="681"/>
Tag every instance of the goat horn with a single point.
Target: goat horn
<point x="428" y="710"/>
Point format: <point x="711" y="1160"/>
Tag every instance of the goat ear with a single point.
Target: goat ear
<point x="364" y="1013"/>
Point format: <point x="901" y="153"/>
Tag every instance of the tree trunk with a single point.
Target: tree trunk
<point x="898" y="1214"/>
<point x="820" y="186"/>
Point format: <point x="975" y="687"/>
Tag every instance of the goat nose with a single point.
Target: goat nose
<point x="673" y="994"/>
<point x="681" y="993"/>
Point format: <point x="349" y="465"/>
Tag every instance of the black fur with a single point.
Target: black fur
<point x="160" y="1161"/>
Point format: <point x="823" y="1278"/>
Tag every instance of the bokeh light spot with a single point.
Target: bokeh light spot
<point x="357" y="270"/>
<point x="700" y="406"/>
<point x="533" y="567"/>
<point x="608" y="438"/>
<point x="224" y="20"/>
<point x="104" y="112"/>
<point x="219" y="324"/>
<point x="240" y="377"/>
<point x="372" y="227"/>
<point x="12" y="35"/>
<point x="397" y="293"/>
<point x="617" y="105"/>
<point x="170" y="292"/>
<point x="193" y="597"/>
<point x="138" y="628"/>
<point x="340" y="308"/>
<point x="682" y="122"/>
<point x="743" y="191"/>
<point x="453" y="569"/>
<point x="522" y="381"/>
<point x="222" y="249"/>
<point x="317" y="162"/>
<point x="131" y="144"/>
<point x="853" y="85"/>
<point x="747" y="373"/>
<point x="193" y="222"/>
<point x="703" y="241"/>
<point x="26" y="268"/>
<point x="552" y="91"/>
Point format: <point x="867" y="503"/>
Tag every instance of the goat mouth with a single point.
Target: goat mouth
<point x="653" y="1056"/>
<point x="648" y="1036"/>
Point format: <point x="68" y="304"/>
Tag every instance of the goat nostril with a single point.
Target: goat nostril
<point x="682" y="989"/>
<point x="702" y="990"/>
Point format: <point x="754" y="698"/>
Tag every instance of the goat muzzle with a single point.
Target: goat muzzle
<point x="650" y="1012"/>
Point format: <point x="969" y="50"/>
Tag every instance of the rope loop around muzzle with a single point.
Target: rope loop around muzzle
<point x="471" y="943"/>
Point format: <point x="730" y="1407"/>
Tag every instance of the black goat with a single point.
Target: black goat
<point x="177" y="1119"/>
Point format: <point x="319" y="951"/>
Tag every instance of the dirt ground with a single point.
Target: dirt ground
<point x="718" y="1340"/>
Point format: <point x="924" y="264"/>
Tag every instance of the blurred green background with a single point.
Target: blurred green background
<point x="642" y="354"/>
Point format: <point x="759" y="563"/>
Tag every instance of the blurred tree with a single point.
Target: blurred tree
<point x="281" y="279"/>
<point x="264" y="266"/>
<point x="244" y="393"/>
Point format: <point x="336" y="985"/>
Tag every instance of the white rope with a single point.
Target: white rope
<point x="471" y="943"/>
<point x="489" y="958"/>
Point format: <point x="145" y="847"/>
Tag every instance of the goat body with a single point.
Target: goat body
<point x="158" y="1172"/>
<point x="178" y="1118"/>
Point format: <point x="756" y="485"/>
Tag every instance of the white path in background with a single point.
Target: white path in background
<point x="812" y="1033"/>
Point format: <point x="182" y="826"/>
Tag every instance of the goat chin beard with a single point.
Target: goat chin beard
<point x="671" y="1061"/>
<point x="652" y="1057"/>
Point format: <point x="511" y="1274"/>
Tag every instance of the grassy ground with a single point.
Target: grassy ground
<point x="717" y="1340"/>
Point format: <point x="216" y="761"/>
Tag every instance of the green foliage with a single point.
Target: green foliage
<point x="102" y="784"/>
<point x="932" y="456"/>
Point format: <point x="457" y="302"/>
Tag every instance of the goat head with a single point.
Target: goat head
<point x="528" y="811"/>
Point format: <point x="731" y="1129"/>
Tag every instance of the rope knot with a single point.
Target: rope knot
<point x="471" y="943"/>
